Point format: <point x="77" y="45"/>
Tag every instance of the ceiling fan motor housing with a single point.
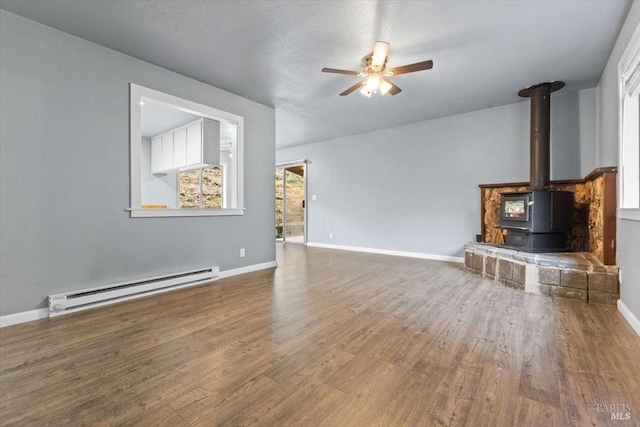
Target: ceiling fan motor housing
<point x="367" y="66"/>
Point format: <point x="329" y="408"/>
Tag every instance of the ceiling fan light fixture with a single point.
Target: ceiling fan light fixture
<point x="373" y="82"/>
<point x="384" y="87"/>
<point x="366" y="92"/>
<point x="374" y="72"/>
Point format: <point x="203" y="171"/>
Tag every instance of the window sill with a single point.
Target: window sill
<point x="629" y="213"/>
<point x="158" y="213"/>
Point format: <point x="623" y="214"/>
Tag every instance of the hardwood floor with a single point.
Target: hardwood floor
<point x="328" y="338"/>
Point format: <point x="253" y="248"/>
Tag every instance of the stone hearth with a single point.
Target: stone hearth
<point x="578" y="276"/>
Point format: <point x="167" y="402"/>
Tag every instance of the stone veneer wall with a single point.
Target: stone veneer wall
<point x="577" y="277"/>
<point x="588" y="213"/>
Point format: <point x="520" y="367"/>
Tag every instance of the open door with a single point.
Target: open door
<point x="291" y="203"/>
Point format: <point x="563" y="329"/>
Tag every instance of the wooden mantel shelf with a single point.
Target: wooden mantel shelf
<point x="593" y="175"/>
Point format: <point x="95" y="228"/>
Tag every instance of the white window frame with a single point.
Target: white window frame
<point x="140" y="94"/>
<point x="628" y="65"/>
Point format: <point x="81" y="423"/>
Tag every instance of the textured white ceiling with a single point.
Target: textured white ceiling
<point x="272" y="51"/>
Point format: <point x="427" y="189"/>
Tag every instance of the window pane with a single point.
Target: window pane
<point x="201" y="188"/>
<point x="189" y="188"/>
<point x="212" y="187"/>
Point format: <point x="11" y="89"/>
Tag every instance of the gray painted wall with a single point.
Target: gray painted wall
<point x="565" y="134"/>
<point x="607" y="152"/>
<point x="628" y="230"/>
<point x="588" y="130"/>
<point x="415" y="188"/>
<point x="628" y="254"/>
<point x="64" y="172"/>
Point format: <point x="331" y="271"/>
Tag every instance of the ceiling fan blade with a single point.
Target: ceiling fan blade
<point x="352" y="88"/>
<point x="379" y="57"/>
<point x="412" y="68"/>
<point x="393" y="90"/>
<point x="336" y="71"/>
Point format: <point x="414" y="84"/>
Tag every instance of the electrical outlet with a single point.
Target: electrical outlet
<point x="331" y="235"/>
<point x="241" y="252"/>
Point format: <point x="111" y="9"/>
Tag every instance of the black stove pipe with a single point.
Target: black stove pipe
<point x="540" y="157"/>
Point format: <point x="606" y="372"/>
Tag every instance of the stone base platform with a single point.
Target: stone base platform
<point x="578" y="276"/>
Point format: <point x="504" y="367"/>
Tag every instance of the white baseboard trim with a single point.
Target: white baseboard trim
<point x="247" y="269"/>
<point x="23" y="317"/>
<point x="629" y="316"/>
<point x="389" y="252"/>
<point x="43" y="313"/>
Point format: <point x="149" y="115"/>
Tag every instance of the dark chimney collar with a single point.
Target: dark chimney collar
<point x="540" y="157"/>
<point x="552" y="85"/>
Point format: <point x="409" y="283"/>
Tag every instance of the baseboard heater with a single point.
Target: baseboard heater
<point x="94" y="297"/>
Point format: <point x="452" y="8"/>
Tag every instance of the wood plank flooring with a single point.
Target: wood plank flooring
<point x="329" y="338"/>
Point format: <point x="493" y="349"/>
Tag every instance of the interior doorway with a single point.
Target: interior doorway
<point x="291" y="209"/>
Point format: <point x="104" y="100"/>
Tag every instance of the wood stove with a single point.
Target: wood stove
<point x="538" y="220"/>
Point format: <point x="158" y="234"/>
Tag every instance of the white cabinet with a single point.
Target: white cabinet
<point x="167" y="151"/>
<point x="203" y="144"/>
<point x="210" y="142"/>
<point x="192" y="146"/>
<point x="156" y="154"/>
<point x="180" y="148"/>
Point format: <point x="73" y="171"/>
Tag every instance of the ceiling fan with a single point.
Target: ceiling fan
<point x="374" y="68"/>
